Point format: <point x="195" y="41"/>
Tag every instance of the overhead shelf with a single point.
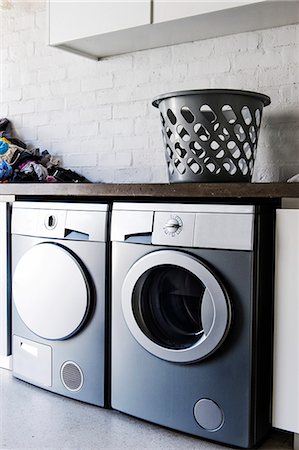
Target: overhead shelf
<point x="87" y="35"/>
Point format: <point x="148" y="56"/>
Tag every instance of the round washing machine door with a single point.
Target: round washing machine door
<point x="175" y="306"/>
<point x="51" y="291"/>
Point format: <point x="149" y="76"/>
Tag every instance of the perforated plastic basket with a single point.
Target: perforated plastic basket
<point x="211" y="135"/>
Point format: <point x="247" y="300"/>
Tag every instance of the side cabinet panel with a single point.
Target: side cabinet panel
<point x="286" y="322"/>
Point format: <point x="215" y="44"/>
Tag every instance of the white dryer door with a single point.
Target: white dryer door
<point x="51" y="291"/>
<point x="175" y="306"/>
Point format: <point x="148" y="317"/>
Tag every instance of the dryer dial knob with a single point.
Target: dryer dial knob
<point x="173" y="226"/>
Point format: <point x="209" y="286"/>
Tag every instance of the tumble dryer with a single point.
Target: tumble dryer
<point x="191" y="317"/>
<point x="59" y="297"/>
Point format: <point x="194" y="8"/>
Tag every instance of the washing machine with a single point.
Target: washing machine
<point x="192" y="317"/>
<point x="59" y="266"/>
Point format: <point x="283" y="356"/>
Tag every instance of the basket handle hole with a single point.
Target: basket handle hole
<point x="187" y="114"/>
<point x="171" y="117"/>
<point x="208" y="113"/>
<point x="246" y="114"/>
<point x="229" y="114"/>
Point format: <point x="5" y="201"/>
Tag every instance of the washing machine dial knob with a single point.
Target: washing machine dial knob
<point x="173" y="226"/>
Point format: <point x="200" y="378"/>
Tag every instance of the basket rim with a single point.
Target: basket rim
<point x="264" y="98"/>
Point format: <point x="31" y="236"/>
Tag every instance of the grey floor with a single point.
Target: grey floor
<point x="31" y="418"/>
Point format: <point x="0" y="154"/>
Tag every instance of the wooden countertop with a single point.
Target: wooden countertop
<point x="150" y="191"/>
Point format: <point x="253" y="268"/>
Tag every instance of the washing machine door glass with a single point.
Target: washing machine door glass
<point x="51" y="291"/>
<point x="175" y="307"/>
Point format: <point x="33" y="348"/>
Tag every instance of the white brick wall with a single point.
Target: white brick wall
<point x="97" y="116"/>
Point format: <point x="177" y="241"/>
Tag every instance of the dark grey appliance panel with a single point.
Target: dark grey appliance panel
<point x="224" y="377"/>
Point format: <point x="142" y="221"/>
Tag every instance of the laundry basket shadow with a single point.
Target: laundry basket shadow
<point x="211" y="135"/>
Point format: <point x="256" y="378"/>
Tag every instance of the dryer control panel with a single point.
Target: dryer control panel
<point x="77" y="221"/>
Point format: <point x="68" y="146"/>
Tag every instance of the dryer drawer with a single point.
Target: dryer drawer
<point x="32" y="361"/>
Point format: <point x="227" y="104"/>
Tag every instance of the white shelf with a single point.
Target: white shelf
<point x="228" y="20"/>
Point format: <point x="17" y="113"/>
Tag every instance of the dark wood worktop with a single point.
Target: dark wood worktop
<point x="154" y="191"/>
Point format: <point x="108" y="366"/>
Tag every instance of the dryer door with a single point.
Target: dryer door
<point x="175" y="307"/>
<point x="51" y="291"/>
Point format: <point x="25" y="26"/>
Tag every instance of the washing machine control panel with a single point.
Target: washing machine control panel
<point x="171" y="228"/>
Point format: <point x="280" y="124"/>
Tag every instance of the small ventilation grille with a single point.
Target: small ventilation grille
<point x="71" y="376"/>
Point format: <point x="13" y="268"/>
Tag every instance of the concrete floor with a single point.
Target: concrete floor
<point x="31" y="418"/>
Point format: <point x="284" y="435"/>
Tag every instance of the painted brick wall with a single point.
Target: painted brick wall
<point x="97" y="116"/>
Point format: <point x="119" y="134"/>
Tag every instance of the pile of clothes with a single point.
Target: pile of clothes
<point x="18" y="164"/>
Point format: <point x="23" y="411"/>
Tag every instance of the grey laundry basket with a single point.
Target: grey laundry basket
<point x="211" y="135"/>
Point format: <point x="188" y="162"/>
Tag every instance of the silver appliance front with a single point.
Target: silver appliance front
<point x="59" y="259"/>
<point x="191" y="317"/>
<point x="175" y="306"/>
